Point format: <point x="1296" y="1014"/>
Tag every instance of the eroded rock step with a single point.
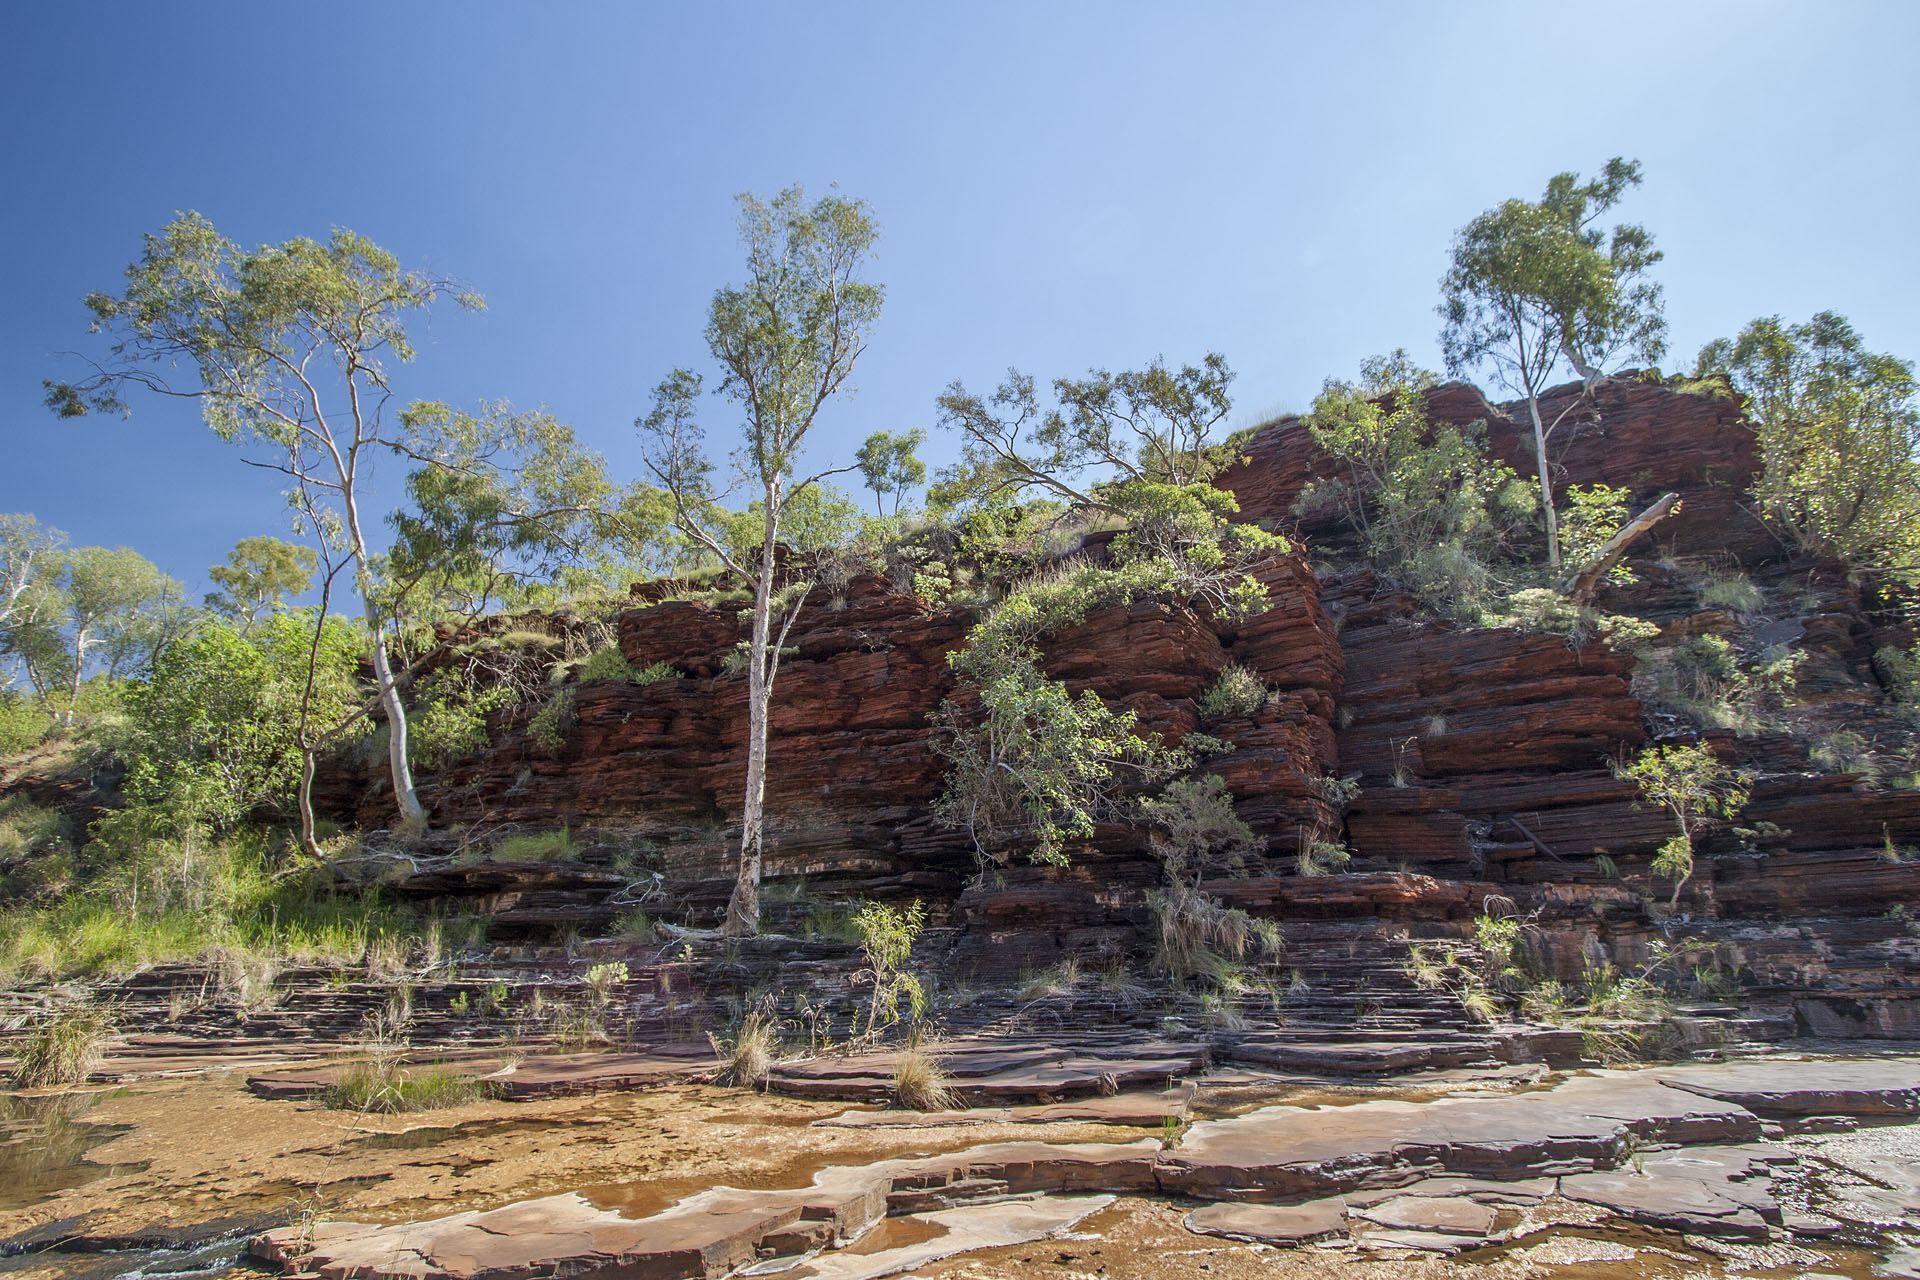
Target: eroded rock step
<point x="1660" y="1147"/>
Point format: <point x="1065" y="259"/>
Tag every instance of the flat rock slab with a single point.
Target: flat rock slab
<point x="1584" y="1123"/>
<point x="1278" y="1224"/>
<point x="1786" y="1089"/>
<point x="564" y="1074"/>
<point x="1432" y="1215"/>
<point x="982" y="1076"/>
<point x="984" y="1226"/>
<point x="717" y="1231"/>
<point x="1724" y="1191"/>
<point x="540" y="1076"/>
<point x="1520" y="1191"/>
<point x="1139" y="1110"/>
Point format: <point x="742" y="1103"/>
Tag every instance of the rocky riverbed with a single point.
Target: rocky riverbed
<point x="1788" y="1165"/>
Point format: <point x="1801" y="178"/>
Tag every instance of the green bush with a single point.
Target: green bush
<point x="449" y="723"/>
<point x="23" y="723"/>
<point x="1899" y="672"/>
<point x="1238" y="692"/>
<point x="1705" y="680"/>
<point x="606" y="664"/>
<point x="1700" y="792"/>
<point x="551" y="723"/>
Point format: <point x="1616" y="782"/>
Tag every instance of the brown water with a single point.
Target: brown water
<point x="44" y="1144"/>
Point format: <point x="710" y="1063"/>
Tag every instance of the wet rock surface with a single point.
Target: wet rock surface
<point x="1652" y="1147"/>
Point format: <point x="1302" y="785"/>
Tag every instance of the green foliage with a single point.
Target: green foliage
<point x="1700" y="792"/>
<point x="1731" y="591"/>
<point x="260" y="575"/>
<point x="1544" y="609"/>
<point x="92" y="609"/>
<point x="1197" y="833"/>
<point x="1899" y="672"/>
<point x="601" y="979"/>
<point x="1029" y="760"/>
<point x="64" y="1048"/>
<point x="1839" y="432"/>
<point x="1432" y="508"/>
<point x="24" y="722"/>
<point x="152" y="890"/>
<point x="1593" y="514"/>
<point x="890" y="465"/>
<point x="543" y="846"/>
<point x="215" y="732"/>
<point x="1708" y="682"/>
<point x="1533" y="284"/>
<point x="448" y="721"/>
<point x="607" y="664"/>
<point x="1135" y="445"/>
<point x="887" y="935"/>
<point x="550" y="725"/>
<point x="381" y="1085"/>
<point x="1239" y="691"/>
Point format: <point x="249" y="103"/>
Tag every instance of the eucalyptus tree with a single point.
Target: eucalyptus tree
<point x="890" y="464"/>
<point x="260" y="575"/>
<point x="106" y="609"/>
<point x="1537" y="286"/>
<point x="286" y="348"/>
<point x="29" y="553"/>
<point x="786" y="341"/>
<point x="1839" y="434"/>
<point x="1138" y="445"/>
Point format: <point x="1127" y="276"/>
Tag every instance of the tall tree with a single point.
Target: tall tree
<point x="786" y="341"/>
<point x="286" y="350"/>
<point x="108" y="607"/>
<point x="890" y="465"/>
<point x="1839" y="431"/>
<point x="260" y="575"/>
<point x="1535" y="286"/>
<point x="29" y="553"/>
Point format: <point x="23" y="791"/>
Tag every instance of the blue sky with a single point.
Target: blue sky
<point x="1060" y="186"/>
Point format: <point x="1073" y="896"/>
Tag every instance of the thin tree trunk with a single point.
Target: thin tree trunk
<point x="1584" y="585"/>
<point x="412" y="816"/>
<point x="309" y="839"/>
<point x="1546" y="481"/>
<point x="73" y="689"/>
<point x="743" y="909"/>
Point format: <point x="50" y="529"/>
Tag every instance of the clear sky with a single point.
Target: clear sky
<point x="1060" y="186"/>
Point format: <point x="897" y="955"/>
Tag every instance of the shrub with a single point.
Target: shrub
<point x="1706" y="681"/>
<point x="1197" y="832"/>
<point x="64" y="1049"/>
<point x="1432" y="508"/>
<point x="1238" y="692"/>
<point x="655" y="673"/>
<point x="449" y="722"/>
<point x="606" y="664"/>
<point x="887" y="935"/>
<point x="1544" y="609"/>
<point x="1700" y="792"/>
<point x="1899" y="672"/>
<point x="601" y="979"/>
<point x="23" y="723"/>
<point x="1029" y="759"/>
<point x="551" y="723"/>
<point x="1591" y="517"/>
<point x="919" y="1083"/>
<point x="1196" y="933"/>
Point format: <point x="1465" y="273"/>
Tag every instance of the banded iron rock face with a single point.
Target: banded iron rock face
<point x="1483" y="758"/>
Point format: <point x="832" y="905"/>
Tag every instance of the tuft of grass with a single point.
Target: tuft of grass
<point x="544" y="846"/>
<point x="919" y="1083"/>
<point x="1733" y="592"/>
<point x="64" y="1049"/>
<point x="382" y="1085"/>
<point x="747" y="1059"/>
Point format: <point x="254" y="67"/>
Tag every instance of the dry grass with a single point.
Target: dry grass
<point x="64" y="1049"/>
<point x="919" y="1083"/>
<point x="747" y="1059"/>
